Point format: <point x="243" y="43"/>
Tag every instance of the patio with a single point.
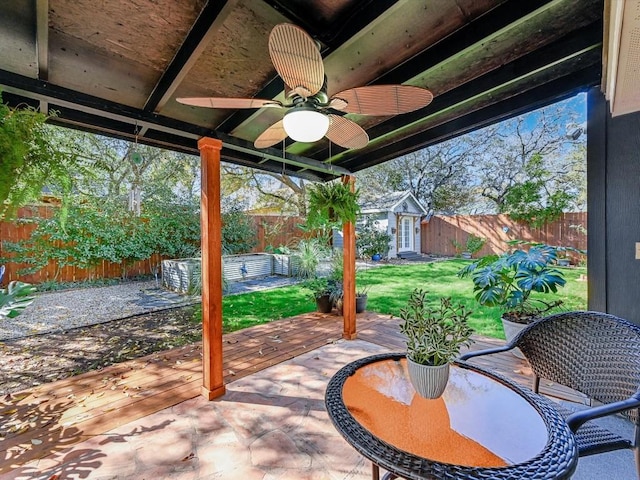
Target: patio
<point x="271" y="423"/>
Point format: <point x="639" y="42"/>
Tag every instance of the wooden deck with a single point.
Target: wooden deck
<point x="46" y="419"/>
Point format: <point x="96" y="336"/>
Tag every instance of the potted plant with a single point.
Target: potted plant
<point x="336" y="290"/>
<point x="474" y="245"/>
<point x="320" y="292"/>
<point x="332" y="203"/>
<point x="508" y="280"/>
<point x="362" y="294"/>
<point x="434" y="338"/>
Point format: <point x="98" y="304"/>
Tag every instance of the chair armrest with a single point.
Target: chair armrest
<point x="488" y="351"/>
<point x="575" y="420"/>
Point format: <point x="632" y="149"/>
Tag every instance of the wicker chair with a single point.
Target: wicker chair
<point x="596" y="354"/>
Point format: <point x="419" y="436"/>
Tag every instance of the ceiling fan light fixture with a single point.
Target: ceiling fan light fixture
<point x="305" y="124"/>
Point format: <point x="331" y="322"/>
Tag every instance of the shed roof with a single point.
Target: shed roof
<point x="390" y="201"/>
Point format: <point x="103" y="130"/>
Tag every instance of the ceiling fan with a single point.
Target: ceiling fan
<point x="309" y="112"/>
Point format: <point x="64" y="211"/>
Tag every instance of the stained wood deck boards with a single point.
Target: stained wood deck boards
<point x="48" y="418"/>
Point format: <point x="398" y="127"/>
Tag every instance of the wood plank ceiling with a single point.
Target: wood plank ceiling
<point x="117" y="66"/>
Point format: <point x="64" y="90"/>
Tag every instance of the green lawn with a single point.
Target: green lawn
<point x="389" y="289"/>
<point x="391" y="286"/>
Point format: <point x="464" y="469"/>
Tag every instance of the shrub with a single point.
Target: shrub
<point x="238" y="232"/>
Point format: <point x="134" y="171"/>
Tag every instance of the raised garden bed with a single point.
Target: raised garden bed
<point x="177" y="274"/>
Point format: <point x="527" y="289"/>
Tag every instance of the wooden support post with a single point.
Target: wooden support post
<point x="211" y="227"/>
<point x="349" y="272"/>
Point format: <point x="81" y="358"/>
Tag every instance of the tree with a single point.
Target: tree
<point x="531" y="165"/>
<point x="266" y="190"/>
<point x="438" y="176"/>
<point x="536" y="200"/>
<point x="131" y="173"/>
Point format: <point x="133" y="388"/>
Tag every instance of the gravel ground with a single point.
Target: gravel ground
<point x="67" y="309"/>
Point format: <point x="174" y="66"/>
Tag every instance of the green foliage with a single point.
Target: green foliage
<point x="434" y="334"/>
<point x="103" y="232"/>
<point x="29" y="159"/>
<point x="475" y="243"/>
<point x="173" y="230"/>
<point x="507" y="281"/>
<point x="530" y="202"/>
<point x="318" y="286"/>
<point x="332" y="203"/>
<point x="308" y="255"/>
<point x="371" y="240"/>
<point x="457" y="246"/>
<point x="238" y="232"/>
<point x="15" y="298"/>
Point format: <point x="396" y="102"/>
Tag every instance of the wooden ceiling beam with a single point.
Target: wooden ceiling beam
<point x="212" y="15"/>
<point x="580" y="44"/>
<point x="538" y="97"/>
<point x="42" y="38"/>
<point x="100" y="108"/>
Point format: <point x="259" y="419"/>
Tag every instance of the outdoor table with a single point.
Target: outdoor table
<point x="484" y="426"/>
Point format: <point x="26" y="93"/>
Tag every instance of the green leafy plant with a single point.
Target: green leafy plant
<point x="93" y="233"/>
<point x="434" y="334"/>
<point x="307" y="257"/>
<point x="457" y="246"/>
<point x="29" y="159"/>
<point x="371" y="240"/>
<point x="15" y="298"/>
<point x="332" y="203"/>
<point x="508" y="280"/>
<point x="475" y="243"/>
<point x="530" y="201"/>
<point x="238" y="232"/>
<point x="318" y="286"/>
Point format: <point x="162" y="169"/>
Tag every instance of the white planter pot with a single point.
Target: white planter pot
<point x="428" y="381"/>
<point x="511" y="329"/>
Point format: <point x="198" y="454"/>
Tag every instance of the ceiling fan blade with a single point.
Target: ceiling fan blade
<point x="272" y="135"/>
<point x="297" y="59"/>
<point x="346" y="133"/>
<point x="219" y="102"/>
<point x="384" y="99"/>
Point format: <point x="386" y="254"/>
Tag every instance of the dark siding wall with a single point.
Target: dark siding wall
<point x="614" y="210"/>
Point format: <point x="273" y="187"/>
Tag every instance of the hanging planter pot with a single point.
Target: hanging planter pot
<point x="428" y="381"/>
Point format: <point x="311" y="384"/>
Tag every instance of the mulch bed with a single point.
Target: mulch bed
<point x="38" y="359"/>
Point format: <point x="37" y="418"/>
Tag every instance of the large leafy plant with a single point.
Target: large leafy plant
<point x="434" y="334"/>
<point x="30" y="158"/>
<point x="508" y="280"/>
<point x="332" y="203"/>
<point x="15" y="298"/>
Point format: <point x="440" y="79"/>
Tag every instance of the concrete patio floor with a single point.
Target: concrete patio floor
<point x="271" y="425"/>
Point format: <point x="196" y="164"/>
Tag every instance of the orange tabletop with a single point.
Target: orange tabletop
<point x="477" y="421"/>
<point x="481" y="423"/>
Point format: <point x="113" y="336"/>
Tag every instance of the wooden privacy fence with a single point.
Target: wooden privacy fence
<point x="269" y="231"/>
<point x="440" y="232"/>
<point x="274" y="230"/>
<point x="21" y="230"/>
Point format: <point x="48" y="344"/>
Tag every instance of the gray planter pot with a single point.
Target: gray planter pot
<point x="428" y="381"/>
<point x="511" y="329"/>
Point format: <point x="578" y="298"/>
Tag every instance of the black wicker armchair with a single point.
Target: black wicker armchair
<point x="596" y="354"/>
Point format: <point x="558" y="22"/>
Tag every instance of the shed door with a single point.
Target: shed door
<point x="406" y="234"/>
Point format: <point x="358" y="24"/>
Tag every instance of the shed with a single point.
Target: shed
<point x="399" y="214"/>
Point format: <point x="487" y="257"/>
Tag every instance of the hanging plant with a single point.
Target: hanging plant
<point x="333" y="203"/>
<point x="29" y="159"/>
